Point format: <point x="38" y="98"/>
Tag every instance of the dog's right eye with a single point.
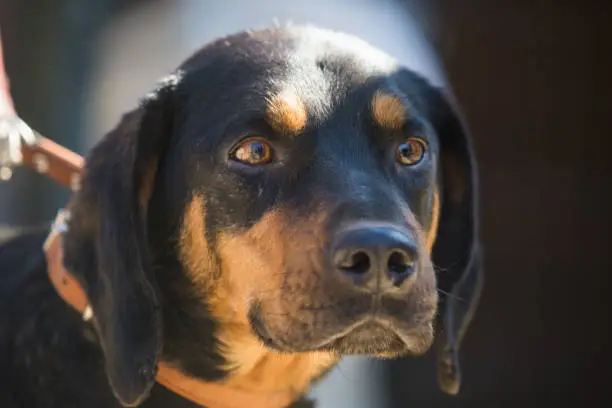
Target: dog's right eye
<point x="411" y="152"/>
<point x="253" y="151"/>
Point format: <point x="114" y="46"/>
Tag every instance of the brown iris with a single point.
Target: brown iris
<point x="253" y="151"/>
<point x="411" y="152"/>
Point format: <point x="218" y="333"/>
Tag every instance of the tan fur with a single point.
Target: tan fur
<point x="246" y="272"/>
<point x="252" y="269"/>
<point x="286" y="112"/>
<point x="261" y="370"/>
<point x="388" y="110"/>
<point x="435" y="221"/>
<point x="194" y="252"/>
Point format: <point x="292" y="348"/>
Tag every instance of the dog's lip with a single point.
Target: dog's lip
<point x="376" y="322"/>
<point x="261" y="331"/>
<point x="359" y="325"/>
<point x="416" y="340"/>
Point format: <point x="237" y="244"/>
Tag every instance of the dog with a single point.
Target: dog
<point x="286" y="197"/>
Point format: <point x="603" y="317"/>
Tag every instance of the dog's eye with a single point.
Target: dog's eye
<point x="253" y="151"/>
<point x="411" y="152"/>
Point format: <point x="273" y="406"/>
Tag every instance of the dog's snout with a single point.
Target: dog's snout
<point x="375" y="256"/>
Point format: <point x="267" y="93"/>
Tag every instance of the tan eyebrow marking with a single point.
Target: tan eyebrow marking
<point x="388" y="110"/>
<point x="286" y="112"/>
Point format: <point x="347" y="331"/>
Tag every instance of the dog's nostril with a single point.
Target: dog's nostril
<point x="400" y="264"/>
<point x="360" y="262"/>
<point x="377" y="257"/>
<point x="357" y="262"/>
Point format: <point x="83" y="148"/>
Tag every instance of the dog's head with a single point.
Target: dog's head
<point x="299" y="181"/>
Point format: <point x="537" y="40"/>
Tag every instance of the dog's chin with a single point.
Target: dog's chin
<point x="370" y="337"/>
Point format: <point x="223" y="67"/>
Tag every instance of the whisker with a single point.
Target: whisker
<point x="448" y="268"/>
<point x="451" y="295"/>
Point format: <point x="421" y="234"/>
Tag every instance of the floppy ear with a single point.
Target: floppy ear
<point x="106" y="245"/>
<point x="456" y="252"/>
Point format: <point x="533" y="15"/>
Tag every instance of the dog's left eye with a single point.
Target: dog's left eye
<point x="253" y="151"/>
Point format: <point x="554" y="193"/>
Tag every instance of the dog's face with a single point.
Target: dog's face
<point x="310" y="191"/>
<point x="295" y="174"/>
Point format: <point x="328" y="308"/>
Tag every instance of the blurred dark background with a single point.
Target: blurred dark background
<point x="534" y="79"/>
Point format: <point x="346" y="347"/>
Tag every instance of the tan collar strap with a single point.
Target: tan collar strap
<point x="209" y="395"/>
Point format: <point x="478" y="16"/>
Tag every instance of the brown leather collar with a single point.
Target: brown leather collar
<point x="210" y="395"/>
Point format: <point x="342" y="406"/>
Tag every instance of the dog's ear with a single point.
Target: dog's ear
<point x="106" y="245"/>
<point x="456" y="252"/>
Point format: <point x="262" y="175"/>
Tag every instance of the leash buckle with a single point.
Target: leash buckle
<point x="14" y="132"/>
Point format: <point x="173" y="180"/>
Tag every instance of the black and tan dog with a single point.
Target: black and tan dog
<point x="286" y="197"/>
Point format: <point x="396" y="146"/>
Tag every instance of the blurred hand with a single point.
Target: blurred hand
<point x="13" y="130"/>
<point x="6" y="102"/>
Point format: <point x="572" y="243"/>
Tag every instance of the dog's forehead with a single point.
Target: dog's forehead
<point x="309" y="64"/>
<point x="293" y="46"/>
<point x="306" y="45"/>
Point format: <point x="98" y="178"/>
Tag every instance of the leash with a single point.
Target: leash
<point x="20" y="145"/>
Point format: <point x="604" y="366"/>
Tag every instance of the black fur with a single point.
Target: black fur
<point x="123" y="235"/>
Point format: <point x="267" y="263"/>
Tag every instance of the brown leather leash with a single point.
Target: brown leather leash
<point x="21" y="145"/>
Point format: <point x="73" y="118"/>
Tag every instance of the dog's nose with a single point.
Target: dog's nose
<point x="377" y="257"/>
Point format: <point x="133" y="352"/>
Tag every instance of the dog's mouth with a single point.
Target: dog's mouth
<point x="371" y="335"/>
<point x="378" y="338"/>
